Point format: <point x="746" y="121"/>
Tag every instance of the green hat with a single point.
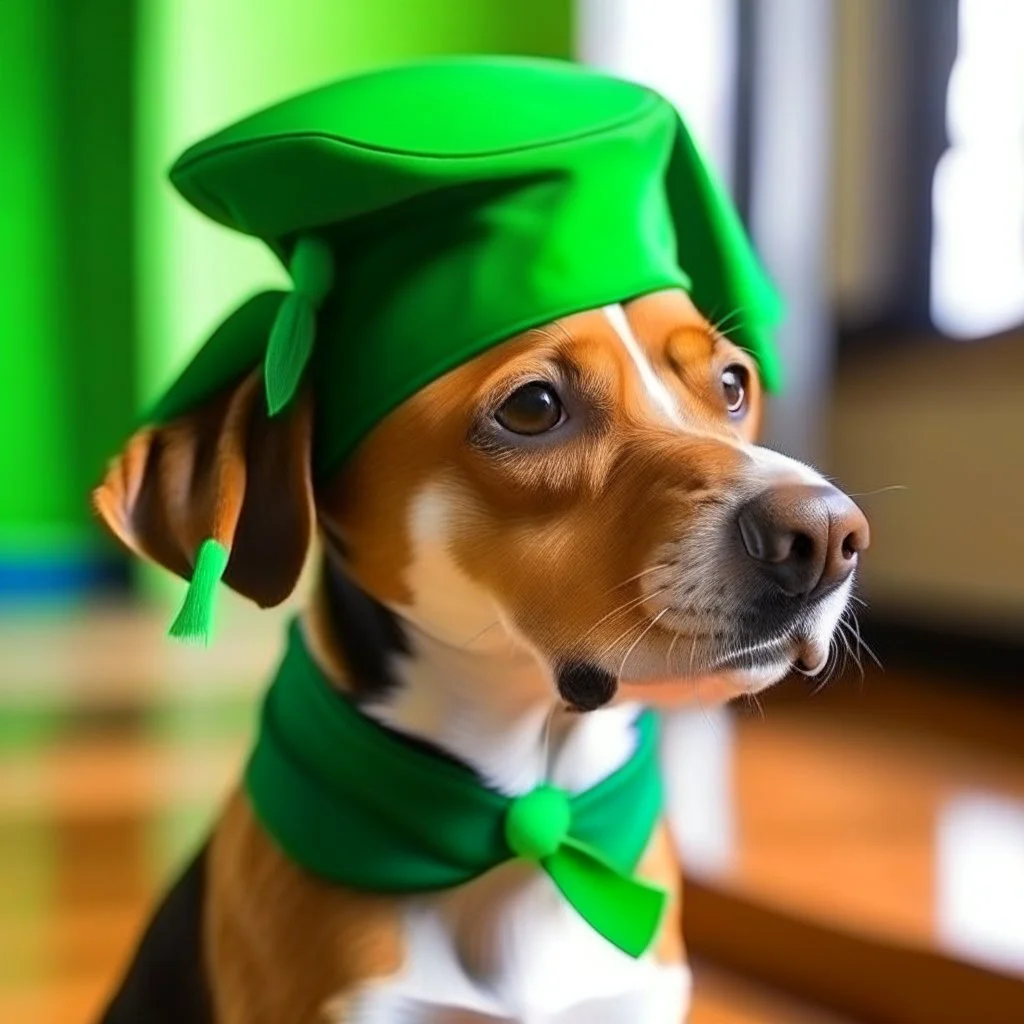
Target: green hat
<point x="428" y="212"/>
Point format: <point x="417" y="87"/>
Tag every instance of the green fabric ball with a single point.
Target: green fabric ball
<point x="536" y="824"/>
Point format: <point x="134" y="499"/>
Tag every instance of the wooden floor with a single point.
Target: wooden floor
<point x="115" y="748"/>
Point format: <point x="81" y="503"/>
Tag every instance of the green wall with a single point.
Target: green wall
<point x="32" y="390"/>
<point x="201" y="65"/>
<point x="66" y="352"/>
<point x="109" y="280"/>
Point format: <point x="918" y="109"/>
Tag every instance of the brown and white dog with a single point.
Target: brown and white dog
<point x="570" y="525"/>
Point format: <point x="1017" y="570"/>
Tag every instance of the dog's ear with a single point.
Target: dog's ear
<point x="227" y="472"/>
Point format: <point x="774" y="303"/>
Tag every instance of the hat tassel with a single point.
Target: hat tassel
<point x="291" y="342"/>
<point x="292" y="334"/>
<point x="194" y="621"/>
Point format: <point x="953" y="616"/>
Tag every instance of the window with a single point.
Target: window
<point x="977" y="253"/>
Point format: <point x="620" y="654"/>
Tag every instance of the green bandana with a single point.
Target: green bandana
<point x="352" y="803"/>
<point x="426" y="213"/>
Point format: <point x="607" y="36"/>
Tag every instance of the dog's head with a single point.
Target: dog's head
<point x="590" y="491"/>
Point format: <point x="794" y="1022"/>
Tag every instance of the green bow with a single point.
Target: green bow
<point x="625" y="910"/>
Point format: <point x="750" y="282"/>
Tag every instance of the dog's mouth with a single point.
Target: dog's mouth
<point x="768" y="660"/>
<point x="725" y="669"/>
<point x="753" y="647"/>
<point x="804" y="645"/>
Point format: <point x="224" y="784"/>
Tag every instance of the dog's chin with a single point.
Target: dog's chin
<point x="753" y="673"/>
<point x="748" y="664"/>
<point x="744" y="674"/>
<point x="705" y="690"/>
<point x="758" y="678"/>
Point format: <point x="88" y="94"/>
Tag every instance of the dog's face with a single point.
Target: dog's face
<point x="587" y="495"/>
<point x="592" y="490"/>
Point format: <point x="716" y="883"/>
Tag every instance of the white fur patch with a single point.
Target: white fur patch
<point x="659" y="394"/>
<point x="534" y="961"/>
<point x="775" y="465"/>
<point x="446" y="603"/>
<point x="476" y="687"/>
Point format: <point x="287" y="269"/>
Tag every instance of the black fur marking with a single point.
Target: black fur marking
<point x="585" y="687"/>
<point x="165" y="982"/>
<point x="369" y="635"/>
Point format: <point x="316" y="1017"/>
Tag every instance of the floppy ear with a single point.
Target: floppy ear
<point x="225" y="471"/>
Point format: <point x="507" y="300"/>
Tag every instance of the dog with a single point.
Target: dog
<point x="572" y="525"/>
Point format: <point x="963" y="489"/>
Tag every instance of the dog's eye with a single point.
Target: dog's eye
<point x="533" y="409"/>
<point x="734" y="387"/>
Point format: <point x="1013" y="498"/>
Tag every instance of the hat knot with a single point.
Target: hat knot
<point x="537" y="824"/>
<point x="312" y="269"/>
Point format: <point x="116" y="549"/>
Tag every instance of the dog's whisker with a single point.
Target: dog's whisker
<point x="849" y="654"/>
<point x="753" y="699"/>
<point x="668" y="657"/>
<point x="848" y="626"/>
<point x="639" y="575"/>
<point x="853" y="628"/>
<point x="865" y="646"/>
<point x="826" y="671"/>
<point x="633" y="645"/>
<point x="728" y="321"/>
<point x="611" y="647"/>
<point x="842" y="652"/>
<point x="473" y="639"/>
<point x="879" y="490"/>
<point x="689" y="667"/>
<point x="728" y="325"/>
<point x="847" y="648"/>
<point x="621" y="609"/>
<point x="707" y="718"/>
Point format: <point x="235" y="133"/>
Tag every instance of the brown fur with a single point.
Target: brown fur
<point x="280" y="944"/>
<point x="225" y="471"/>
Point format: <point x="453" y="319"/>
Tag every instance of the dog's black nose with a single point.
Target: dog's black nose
<point x="805" y="538"/>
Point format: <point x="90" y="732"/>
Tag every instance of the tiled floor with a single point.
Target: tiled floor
<point x="115" y="747"/>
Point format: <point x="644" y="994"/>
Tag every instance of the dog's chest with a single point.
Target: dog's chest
<point x="508" y="946"/>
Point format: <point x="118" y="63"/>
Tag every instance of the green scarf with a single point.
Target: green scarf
<point x="354" y="804"/>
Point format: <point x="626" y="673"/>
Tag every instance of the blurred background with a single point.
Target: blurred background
<point x="855" y="853"/>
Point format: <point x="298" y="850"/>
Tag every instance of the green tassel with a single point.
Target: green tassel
<point x="194" y="622"/>
<point x="294" y="329"/>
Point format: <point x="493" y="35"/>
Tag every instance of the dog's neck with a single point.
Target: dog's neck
<point x="492" y="705"/>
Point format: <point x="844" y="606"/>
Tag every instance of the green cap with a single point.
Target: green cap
<point x="428" y="212"/>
